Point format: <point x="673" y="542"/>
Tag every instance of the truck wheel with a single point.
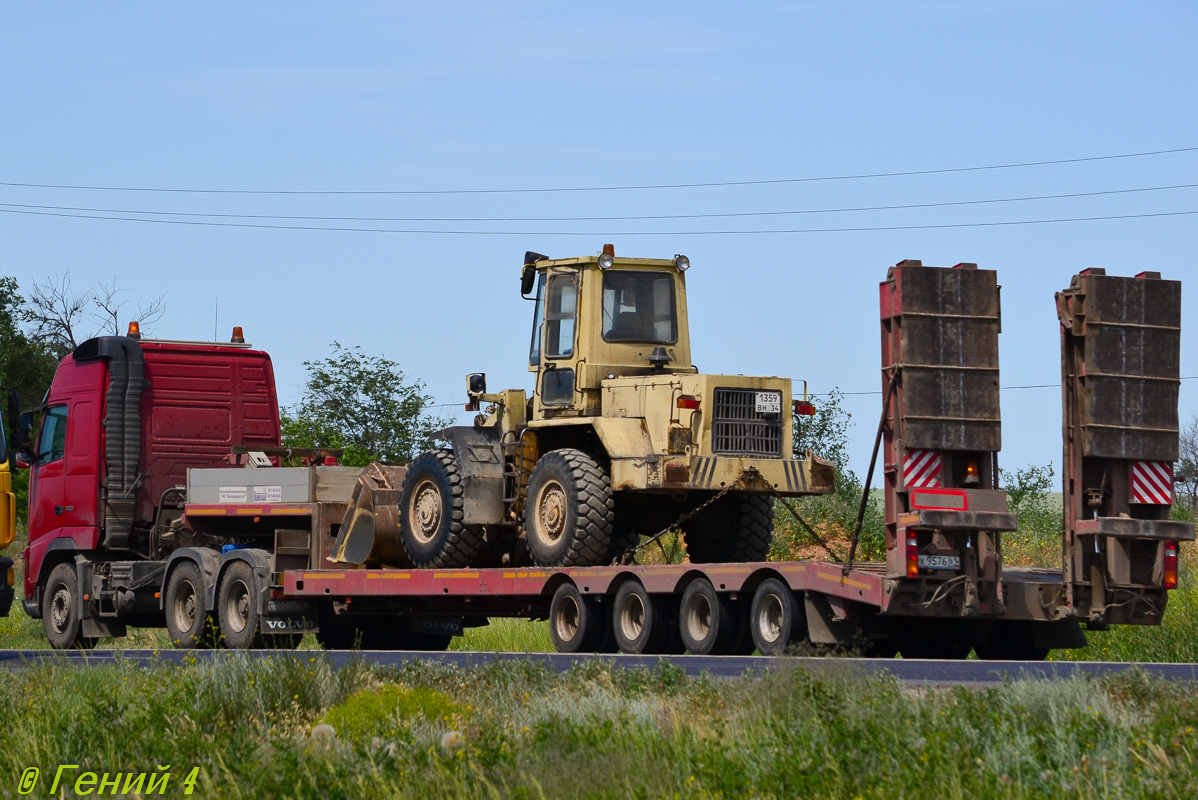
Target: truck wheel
<point x="237" y="607"/>
<point x="61" y="610"/>
<point x="774" y="618"/>
<point x="431" y="514"/>
<point x="569" y="515"/>
<point x="188" y="624"/>
<point x="577" y="624"/>
<point x="643" y="622"/>
<point x="707" y="620"/>
<point x="739" y="528"/>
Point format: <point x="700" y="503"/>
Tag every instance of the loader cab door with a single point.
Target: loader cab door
<point x="554" y="336"/>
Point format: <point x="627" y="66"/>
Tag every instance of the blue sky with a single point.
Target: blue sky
<point x="402" y="97"/>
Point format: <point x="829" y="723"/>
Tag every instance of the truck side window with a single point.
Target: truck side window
<point x="560" y="310"/>
<point x="51" y="444"/>
<point x="538" y="314"/>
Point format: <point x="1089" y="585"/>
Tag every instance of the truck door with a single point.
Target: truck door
<point x="47" y="485"/>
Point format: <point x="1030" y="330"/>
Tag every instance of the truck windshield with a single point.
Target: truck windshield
<point x="639" y="307"/>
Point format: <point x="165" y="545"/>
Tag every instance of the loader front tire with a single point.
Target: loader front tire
<point x="738" y="528"/>
<point x="570" y="513"/>
<point x="430" y="508"/>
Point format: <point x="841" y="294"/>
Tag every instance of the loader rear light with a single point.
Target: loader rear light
<point x="688" y="402"/>
<point x="276" y="593"/>
<point x="804" y="409"/>
<point x="912" y="556"/>
<point x="1170" y="560"/>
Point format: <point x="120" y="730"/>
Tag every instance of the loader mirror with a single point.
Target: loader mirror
<point x="527" y="279"/>
<point x="476" y="382"/>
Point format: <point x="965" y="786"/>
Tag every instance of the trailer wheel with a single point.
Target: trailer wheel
<point x="237" y="607"/>
<point x="569" y="516"/>
<point x="62" y="616"/>
<point x="643" y="622"/>
<point x="188" y="623"/>
<point x="707" y="620"/>
<point x="577" y="624"/>
<point x="739" y="528"/>
<point x="775" y="618"/>
<point x="431" y="526"/>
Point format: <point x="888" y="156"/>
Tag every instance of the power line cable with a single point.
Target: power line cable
<point x="1001" y="388"/>
<point x="862" y="229"/>
<point x="527" y="190"/>
<point x="726" y="215"/>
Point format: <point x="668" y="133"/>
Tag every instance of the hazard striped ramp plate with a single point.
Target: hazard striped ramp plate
<point x="921" y="469"/>
<point x="1152" y="482"/>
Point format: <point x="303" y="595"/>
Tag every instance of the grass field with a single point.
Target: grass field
<point x="298" y="728"/>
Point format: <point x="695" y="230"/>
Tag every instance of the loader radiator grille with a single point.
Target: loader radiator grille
<point x="738" y="429"/>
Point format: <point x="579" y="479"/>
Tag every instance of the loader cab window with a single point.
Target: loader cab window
<point x="538" y="314"/>
<point x="639" y="307"/>
<point x="561" y="309"/>
<point x="52" y="442"/>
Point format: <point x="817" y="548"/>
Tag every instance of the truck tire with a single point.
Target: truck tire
<point x="578" y="624"/>
<point x="738" y="528"/>
<point x="645" y="623"/>
<point x="570" y="513"/>
<point x="237" y="607"/>
<point x="430" y="511"/>
<point x="775" y="618"/>
<point x="62" y="616"/>
<point x="707" y="620"/>
<point x="188" y="623"/>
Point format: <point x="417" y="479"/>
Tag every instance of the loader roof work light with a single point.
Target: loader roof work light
<point x="682" y="262"/>
<point x="607" y="257"/>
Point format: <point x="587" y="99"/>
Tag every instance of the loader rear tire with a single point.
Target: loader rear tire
<point x="738" y="528"/>
<point x="431" y="511"/>
<point x="570" y="513"/>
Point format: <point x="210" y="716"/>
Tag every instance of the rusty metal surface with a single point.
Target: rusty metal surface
<point x="369" y="531"/>
<point x="978" y="520"/>
<point x="1129" y="334"/>
<point x="948" y="324"/>
<point x="1137" y="528"/>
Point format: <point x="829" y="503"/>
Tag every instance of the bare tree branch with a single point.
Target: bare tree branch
<point x="56" y="313"/>
<point x="59" y="317"/>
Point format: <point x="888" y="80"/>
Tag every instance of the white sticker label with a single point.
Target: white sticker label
<point x="769" y="402"/>
<point x="268" y="494"/>
<point x="232" y="494"/>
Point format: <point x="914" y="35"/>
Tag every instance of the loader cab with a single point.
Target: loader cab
<point x="600" y="317"/>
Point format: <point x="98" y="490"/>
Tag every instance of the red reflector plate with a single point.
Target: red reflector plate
<point x="948" y="499"/>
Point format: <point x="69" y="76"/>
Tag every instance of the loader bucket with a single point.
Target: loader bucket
<point x="369" y="532"/>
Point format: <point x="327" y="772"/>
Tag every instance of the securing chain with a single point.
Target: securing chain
<point x="629" y="556"/>
<point x="810" y="531"/>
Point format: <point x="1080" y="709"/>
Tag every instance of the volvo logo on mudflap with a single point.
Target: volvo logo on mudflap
<point x="282" y="625"/>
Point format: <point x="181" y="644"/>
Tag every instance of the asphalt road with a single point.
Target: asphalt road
<point x="911" y="670"/>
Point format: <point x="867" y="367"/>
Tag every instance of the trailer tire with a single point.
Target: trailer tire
<point x="62" y="612"/>
<point x="577" y="624"/>
<point x="775" y="618"/>
<point x="237" y="607"/>
<point x="707" y="620"/>
<point x="644" y="623"/>
<point x="188" y="623"/>
<point x="431" y="512"/>
<point x="570" y="513"/>
<point x="739" y="528"/>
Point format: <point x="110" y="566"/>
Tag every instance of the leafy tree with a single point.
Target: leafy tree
<point x="1185" y="472"/>
<point x="363" y="405"/>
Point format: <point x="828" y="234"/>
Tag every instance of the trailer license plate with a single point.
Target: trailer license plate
<point x="939" y="562"/>
<point x="769" y="402"/>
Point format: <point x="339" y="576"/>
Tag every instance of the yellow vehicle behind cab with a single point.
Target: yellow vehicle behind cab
<point x="8" y="527"/>
<point x="621" y="437"/>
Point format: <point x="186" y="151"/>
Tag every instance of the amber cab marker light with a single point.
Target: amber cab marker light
<point x="238" y="337"/>
<point x="134" y="330"/>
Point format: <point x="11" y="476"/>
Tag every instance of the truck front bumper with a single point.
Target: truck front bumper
<point x="789" y="477"/>
<point x="7" y="579"/>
